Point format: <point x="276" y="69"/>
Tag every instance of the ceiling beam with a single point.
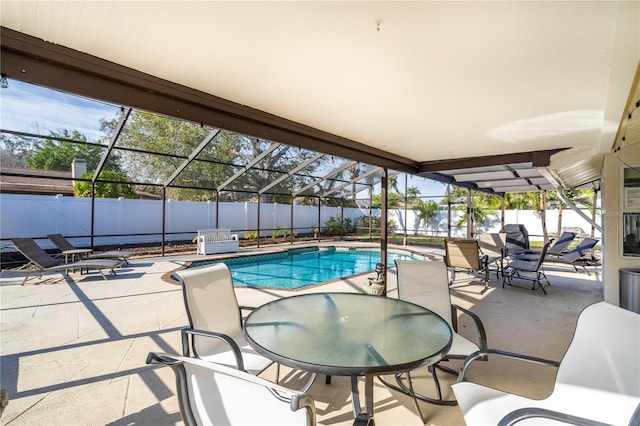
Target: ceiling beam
<point x="537" y="158"/>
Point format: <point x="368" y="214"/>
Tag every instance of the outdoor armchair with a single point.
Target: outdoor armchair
<point x="214" y="394"/>
<point x="69" y="249"/>
<point x="40" y="262"/>
<point x="464" y="255"/>
<point x="425" y="283"/>
<point x="597" y="381"/>
<point x="215" y="330"/>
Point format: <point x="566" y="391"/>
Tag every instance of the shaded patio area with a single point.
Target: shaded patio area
<point x="74" y="348"/>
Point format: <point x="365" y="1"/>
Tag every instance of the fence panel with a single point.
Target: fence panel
<point x="125" y="221"/>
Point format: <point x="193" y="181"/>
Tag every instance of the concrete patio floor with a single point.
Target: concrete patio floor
<point x="73" y="348"/>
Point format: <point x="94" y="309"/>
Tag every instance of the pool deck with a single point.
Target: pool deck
<point x="73" y="348"/>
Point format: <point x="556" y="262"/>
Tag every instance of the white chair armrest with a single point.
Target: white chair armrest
<point x="233" y="346"/>
<point x="484" y="353"/>
<point x="521" y="414"/>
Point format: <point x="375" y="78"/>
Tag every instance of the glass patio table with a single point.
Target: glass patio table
<point x="348" y="334"/>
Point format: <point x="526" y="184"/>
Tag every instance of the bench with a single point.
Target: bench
<point x="212" y="241"/>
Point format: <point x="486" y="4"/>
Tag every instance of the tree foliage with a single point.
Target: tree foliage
<point x="426" y="211"/>
<point x="59" y="155"/>
<point x="106" y="186"/>
<point x="168" y="142"/>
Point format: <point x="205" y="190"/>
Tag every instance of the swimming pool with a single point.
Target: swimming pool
<point x="299" y="268"/>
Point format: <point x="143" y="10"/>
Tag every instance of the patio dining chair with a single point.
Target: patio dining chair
<point x="597" y="381"/>
<point x="40" y="262"/>
<point x="425" y="283"/>
<point x="464" y="255"/>
<point x="493" y="245"/>
<point x="214" y="394"/>
<point x="215" y="330"/>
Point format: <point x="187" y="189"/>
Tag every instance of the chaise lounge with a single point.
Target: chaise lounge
<point x="69" y="249"/>
<point x="40" y="262"/>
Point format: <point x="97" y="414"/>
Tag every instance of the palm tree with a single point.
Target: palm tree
<point x="425" y="211"/>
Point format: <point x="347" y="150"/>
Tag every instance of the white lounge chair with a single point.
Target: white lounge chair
<point x="598" y="379"/>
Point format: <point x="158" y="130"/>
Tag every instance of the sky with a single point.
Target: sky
<point x="34" y="109"/>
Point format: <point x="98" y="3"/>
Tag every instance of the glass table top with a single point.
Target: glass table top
<point x="347" y="333"/>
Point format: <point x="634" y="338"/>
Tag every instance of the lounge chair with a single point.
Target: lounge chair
<point x="576" y="256"/>
<point x="530" y="270"/>
<point x="40" y="262"/>
<point x="556" y="250"/>
<point x="597" y="382"/>
<point x="464" y="255"/>
<point x="69" y="249"/>
<point x="214" y="394"/>
<point x="425" y="283"/>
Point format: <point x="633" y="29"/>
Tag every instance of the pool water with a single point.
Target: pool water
<point x="303" y="267"/>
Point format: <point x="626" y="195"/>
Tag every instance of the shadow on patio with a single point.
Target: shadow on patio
<point x="73" y="350"/>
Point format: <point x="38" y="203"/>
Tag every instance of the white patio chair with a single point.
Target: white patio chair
<point x="214" y="394"/>
<point x="425" y="283"/>
<point x="597" y="382"/>
<point x="215" y="331"/>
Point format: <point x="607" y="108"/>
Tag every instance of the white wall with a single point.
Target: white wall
<point x="140" y="221"/>
<point x="528" y="218"/>
<point x="38" y="215"/>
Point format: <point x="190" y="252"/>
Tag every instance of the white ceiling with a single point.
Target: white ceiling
<point x="427" y="81"/>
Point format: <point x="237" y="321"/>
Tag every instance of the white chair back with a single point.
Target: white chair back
<point x="211" y="305"/>
<point x="213" y="394"/>
<point x="605" y="351"/>
<point x="426" y="284"/>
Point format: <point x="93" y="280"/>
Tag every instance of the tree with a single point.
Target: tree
<point x="426" y="211"/>
<point x="169" y="141"/>
<point x="53" y="154"/>
<point x="108" y="189"/>
<point x="393" y="200"/>
<point x="412" y="195"/>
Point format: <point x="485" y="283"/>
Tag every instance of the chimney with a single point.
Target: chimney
<point x="78" y="168"/>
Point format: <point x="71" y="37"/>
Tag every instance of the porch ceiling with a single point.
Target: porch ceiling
<point x="424" y="87"/>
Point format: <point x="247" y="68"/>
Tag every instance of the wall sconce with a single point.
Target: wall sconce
<point x="3" y="81"/>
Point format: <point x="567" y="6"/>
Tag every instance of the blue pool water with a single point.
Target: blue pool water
<point x="300" y="268"/>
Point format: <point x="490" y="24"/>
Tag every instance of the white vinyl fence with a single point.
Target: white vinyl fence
<point x="125" y="221"/>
